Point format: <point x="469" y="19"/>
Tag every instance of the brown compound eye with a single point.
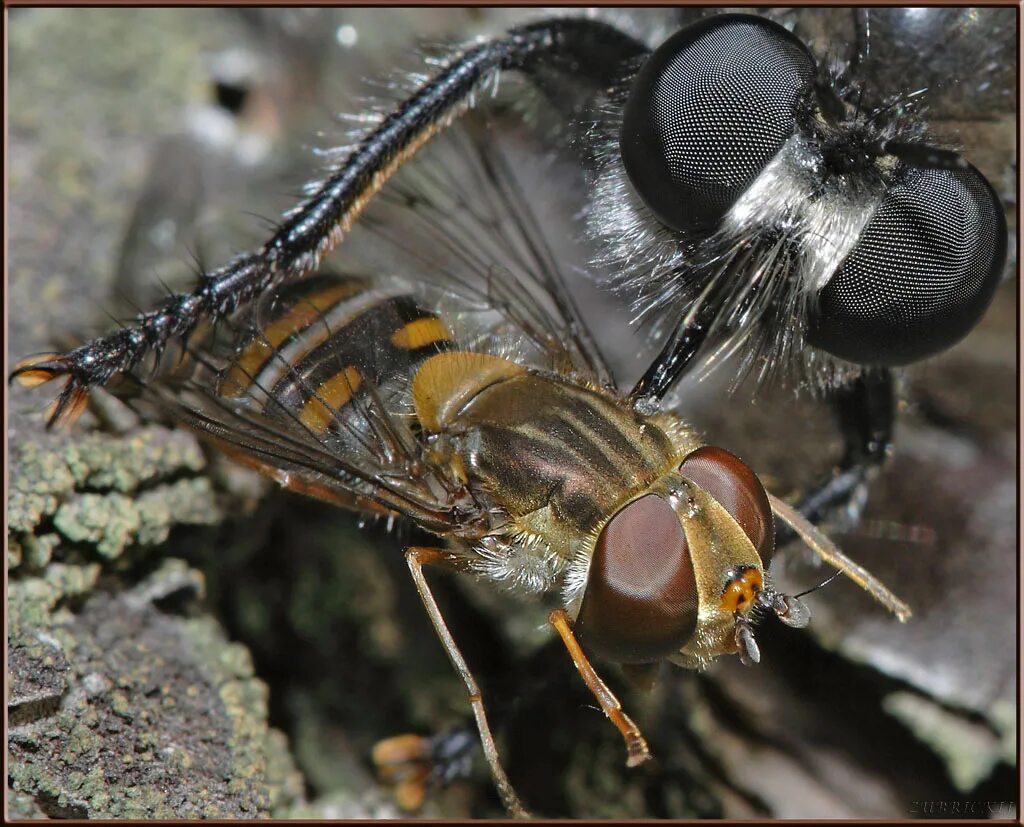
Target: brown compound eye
<point x="641" y="599"/>
<point x="737" y="489"/>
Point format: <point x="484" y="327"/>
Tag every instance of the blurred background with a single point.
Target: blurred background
<point x="183" y="640"/>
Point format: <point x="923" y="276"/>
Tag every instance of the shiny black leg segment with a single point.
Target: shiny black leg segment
<point x="675" y="357"/>
<point x="865" y="412"/>
<point x="318" y="223"/>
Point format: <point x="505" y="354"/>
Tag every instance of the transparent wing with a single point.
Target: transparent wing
<point x="459" y="219"/>
<point x="311" y="385"/>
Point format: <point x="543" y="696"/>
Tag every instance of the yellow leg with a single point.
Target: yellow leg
<point x="636" y="746"/>
<point x="830" y="553"/>
<point x="417" y="557"/>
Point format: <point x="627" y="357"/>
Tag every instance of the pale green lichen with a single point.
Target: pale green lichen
<point x="15" y="553"/>
<point x="32" y="601"/>
<point x="284" y="782"/>
<point x="110" y="521"/>
<point x="42" y="475"/>
<point x="159" y="715"/>
<point x="113" y="522"/>
<point x="39" y="549"/>
<point x="21" y="806"/>
<point x="1003" y="717"/>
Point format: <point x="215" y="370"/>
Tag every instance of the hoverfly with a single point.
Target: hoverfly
<point x="472" y="402"/>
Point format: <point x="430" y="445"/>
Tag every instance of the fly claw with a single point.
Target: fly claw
<point x="36" y="371"/>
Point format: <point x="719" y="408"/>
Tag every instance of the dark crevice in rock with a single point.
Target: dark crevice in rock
<point x="50" y="805"/>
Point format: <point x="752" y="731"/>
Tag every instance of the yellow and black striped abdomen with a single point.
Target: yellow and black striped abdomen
<point x="316" y="346"/>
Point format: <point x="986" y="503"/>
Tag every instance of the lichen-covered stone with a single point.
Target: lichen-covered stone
<point x="113" y="521"/>
<point x="48" y="484"/>
<point x="131" y="712"/>
<point x="33" y="603"/>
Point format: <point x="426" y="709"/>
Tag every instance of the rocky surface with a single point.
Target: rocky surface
<point x="183" y="644"/>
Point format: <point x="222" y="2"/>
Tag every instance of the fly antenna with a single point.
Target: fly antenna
<point x="821" y="585"/>
<point x="830" y="553"/>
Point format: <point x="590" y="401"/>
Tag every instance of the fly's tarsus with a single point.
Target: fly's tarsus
<point x="317" y="224"/>
<point x="38" y="370"/>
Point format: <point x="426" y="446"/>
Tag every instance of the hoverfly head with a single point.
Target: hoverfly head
<point x="679" y="571"/>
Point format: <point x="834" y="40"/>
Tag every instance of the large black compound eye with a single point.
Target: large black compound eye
<point x="921" y="274"/>
<point x="707" y="112"/>
<point x="640" y="604"/>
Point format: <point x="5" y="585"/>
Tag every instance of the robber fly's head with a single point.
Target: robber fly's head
<point x="679" y="572"/>
<point x="750" y="158"/>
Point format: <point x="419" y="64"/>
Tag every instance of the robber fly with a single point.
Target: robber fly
<point x="752" y="201"/>
<point x="755" y="192"/>
<point x="743" y="193"/>
<point x="461" y="390"/>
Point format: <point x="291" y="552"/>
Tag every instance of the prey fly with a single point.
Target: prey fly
<point x="461" y="390"/>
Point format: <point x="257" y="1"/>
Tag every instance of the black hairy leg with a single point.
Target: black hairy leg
<point x="318" y="223"/>
<point x="865" y="412"/>
<point x="676" y="356"/>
